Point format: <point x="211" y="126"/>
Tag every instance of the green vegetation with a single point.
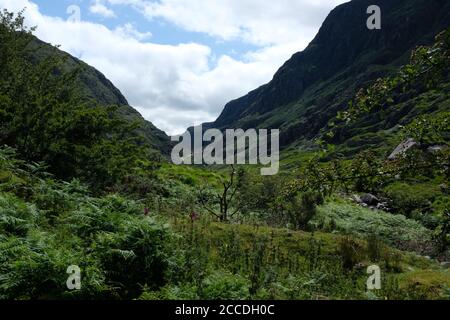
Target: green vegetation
<point x="351" y="219"/>
<point x="44" y="119"/>
<point x="312" y="87"/>
<point x="47" y="225"/>
<point x="76" y="188"/>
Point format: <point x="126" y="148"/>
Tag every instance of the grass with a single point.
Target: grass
<point x="48" y="225"/>
<point x="189" y="175"/>
<point x="303" y="265"/>
<point x="348" y="218"/>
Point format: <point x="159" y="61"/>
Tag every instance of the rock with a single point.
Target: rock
<point x="356" y="198"/>
<point x="445" y="264"/>
<point x="383" y="206"/>
<point x="402" y="148"/>
<point x="436" y="148"/>
<point x="370" y="199"/>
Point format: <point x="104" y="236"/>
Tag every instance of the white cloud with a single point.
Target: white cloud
<point x="176" y="86"/>
<point x="254" y="21"/>
<point x="99" y="8"/>
<point x="128" y="30"/>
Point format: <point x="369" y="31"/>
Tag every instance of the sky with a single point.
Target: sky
<point x="178" y="62"/>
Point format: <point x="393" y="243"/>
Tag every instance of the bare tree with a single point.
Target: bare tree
<point x="228" y="207"/>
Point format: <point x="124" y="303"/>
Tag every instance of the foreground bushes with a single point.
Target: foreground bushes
<point x="232" y="261"/>
<point x="16" y="217"/>
<point x="126" y="252"/>
<point x="119" y="250"/>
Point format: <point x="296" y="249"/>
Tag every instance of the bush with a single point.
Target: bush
<point x="374" y="248"/>
<point x="407" y="198"/>
<point x="182" y="292"/>
<point x="302" y="208"/>
<point x="394" y="230"/>
<point x="135" y="257"/>
<point x="350" y="251"/>
<point x="16" y="217"/>
<point x="222" y="285"/>
<point x="118" y="249"/>
<point x="35" y="268"/>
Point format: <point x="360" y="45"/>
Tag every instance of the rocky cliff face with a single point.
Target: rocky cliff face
<point x="313" y="85"/>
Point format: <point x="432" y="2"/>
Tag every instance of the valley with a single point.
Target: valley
<point x="86" y="181"/>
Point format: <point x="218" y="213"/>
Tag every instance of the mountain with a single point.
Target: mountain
<point x="93" y="85"/>
<point x="311" y="87"/>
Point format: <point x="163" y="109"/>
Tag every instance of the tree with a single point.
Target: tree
<point x="226" y="198"/>
<point x="427" y="68"/>
<point x="43" y="116"/>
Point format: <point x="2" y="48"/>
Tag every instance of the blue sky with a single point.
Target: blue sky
<point x="163" y="32"/>
<point x="178" y="62"/>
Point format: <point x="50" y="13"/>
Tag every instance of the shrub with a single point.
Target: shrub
<point x="302" y="208"/>
<point x="394" y="230"/>
<point x="182" y="292"/>
<point x="35" y="268"/>
<point x="135" y="257"/>
<point x="374" y="248"/>
<point x="407" y="198"/>
<point x="222" y="285"/>
<point x="350" y="251"/>
<point x="16" y="217"/>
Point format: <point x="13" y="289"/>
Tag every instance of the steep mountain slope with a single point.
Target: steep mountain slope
<point x="93" y="85"/>
<point x="310" y="88"/>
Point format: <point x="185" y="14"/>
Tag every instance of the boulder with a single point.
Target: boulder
<point x="402" y="148"/>
<point x="383" y="206"/>
<point x="370" y="199"/>
<point x="356" y="198"/>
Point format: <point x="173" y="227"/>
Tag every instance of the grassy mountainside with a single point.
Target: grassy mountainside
<point x="91" y="84"/>
<point x="310" y="88"/>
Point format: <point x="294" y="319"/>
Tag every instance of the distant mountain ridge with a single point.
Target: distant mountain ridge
<point x="311" y="87"/>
